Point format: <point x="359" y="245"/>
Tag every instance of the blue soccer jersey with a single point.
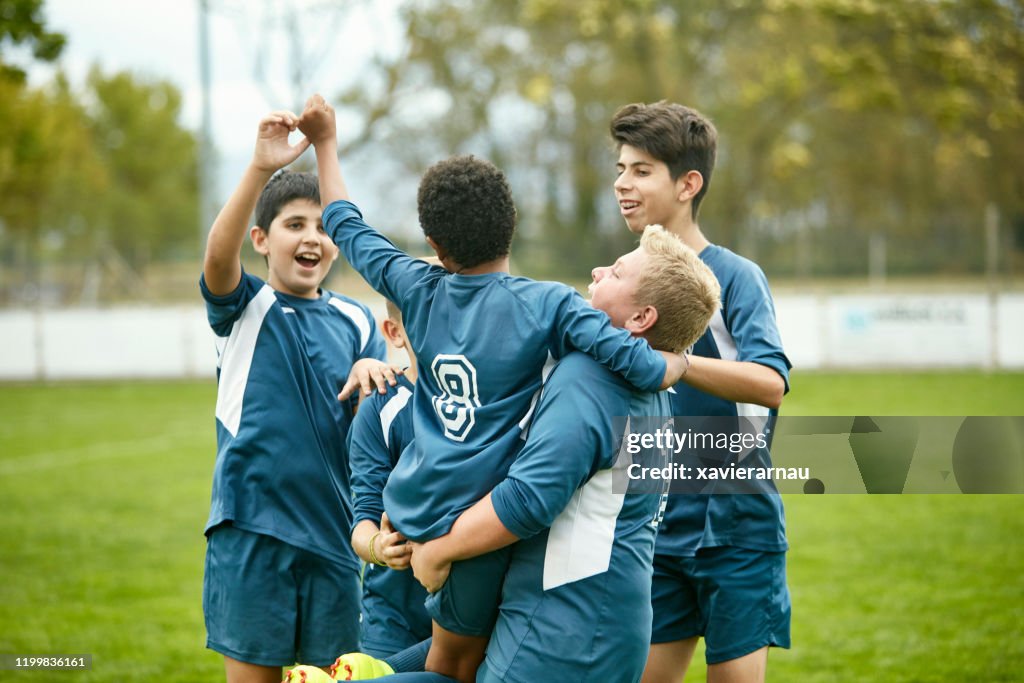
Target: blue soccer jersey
<point x="482" y="342"/>
<point x="393" y="616"/>
<point x="380" y="431"/>
<point x="743" y="329"/>
<point x="575" y="604"/>
<point x="282" y="464"/>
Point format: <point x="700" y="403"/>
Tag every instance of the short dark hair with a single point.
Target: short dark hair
<point x="465" y="206"/>
<point x="284" y="187"/>
<point x="681" y="137"/>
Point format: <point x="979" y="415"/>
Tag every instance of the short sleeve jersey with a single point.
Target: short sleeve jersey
<point x="582" y="587"/>
<point x="282" y="463"/>
<point x="482" y="342"/>
<point x="744" y="329"/>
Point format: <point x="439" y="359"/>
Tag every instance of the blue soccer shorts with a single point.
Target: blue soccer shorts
<point x="393" y="614"/>
<point x="468" y="602"/>
<point x="269" y="603"/>
<point x="736" y="598"/>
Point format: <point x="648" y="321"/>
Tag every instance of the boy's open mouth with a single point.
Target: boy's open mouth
<point x="308" y="260"/>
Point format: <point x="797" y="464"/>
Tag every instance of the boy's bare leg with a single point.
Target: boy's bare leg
<point x="746" y="669"/>
<point x="668" y="662"/>
<point x="456" y="656"/>
<point x="241" y="672"/>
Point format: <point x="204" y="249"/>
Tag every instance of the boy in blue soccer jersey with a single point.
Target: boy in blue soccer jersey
<point x="575" y="604"/>
<point x="280" y="507"/>
<point x="393" y="615"/>
<point x="720" y="564"/>
<point x="483" y="339"/>
<point x="576" y="600"/>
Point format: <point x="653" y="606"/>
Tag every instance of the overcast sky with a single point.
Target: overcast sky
<point x="160" y="39"/>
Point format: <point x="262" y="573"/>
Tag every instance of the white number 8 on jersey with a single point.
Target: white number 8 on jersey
<point x="459" y="399"/>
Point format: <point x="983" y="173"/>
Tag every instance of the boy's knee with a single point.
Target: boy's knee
<point x="456" y="656"/>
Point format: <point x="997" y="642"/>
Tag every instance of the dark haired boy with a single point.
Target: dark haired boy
<point x="720" y="563"/>
<point x="281" y="585"/>
<point x="483" y="339"/>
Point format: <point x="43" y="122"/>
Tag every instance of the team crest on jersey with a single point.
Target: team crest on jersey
<point x="456" y="405"/>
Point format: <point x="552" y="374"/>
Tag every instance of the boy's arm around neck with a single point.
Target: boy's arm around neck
<point x="676" y="366"/>
<point x="738" y="381"/>
<point x="578" y="326"/>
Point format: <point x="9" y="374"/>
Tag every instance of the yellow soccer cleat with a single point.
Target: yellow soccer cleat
<point x="357" y="666"/>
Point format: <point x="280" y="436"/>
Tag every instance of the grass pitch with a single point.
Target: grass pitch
<point x="105" y="490"/>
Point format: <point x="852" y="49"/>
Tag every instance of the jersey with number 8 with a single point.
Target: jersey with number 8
<point x="487" y="339"/>
<point x="456" y="406"/>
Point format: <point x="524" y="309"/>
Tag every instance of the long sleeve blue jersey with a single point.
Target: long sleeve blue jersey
<point x="482" y="342"/>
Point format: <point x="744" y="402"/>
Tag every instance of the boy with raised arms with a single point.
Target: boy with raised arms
<point x="280" y="585"/>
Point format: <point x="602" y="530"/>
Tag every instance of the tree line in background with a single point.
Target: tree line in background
<point x="850" y="130"/>
<point x="101" y="178"/>
<point x="843" y="123"/>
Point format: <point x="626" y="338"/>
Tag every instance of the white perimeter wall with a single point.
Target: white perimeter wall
<point x="903" y="331"/>
<point x="836" y="331"/>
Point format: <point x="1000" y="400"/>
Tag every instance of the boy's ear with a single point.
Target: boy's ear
<point x="642" y="320"/>
<point x="688" y="185"/>
<point x="259" y="240"/>
<point x="392" y="332"/>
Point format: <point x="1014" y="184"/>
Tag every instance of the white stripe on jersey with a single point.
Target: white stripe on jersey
<point x="357" y="316"/>
<point x="723" y="340"/>
<point x="581" y="537"/>
<point x="236" y="359"/>
<point x="391" y="410"/>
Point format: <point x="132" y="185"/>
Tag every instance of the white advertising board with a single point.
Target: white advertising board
<point x="909" y="331"/>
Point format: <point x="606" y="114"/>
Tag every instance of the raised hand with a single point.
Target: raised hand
<point x="273" y="151"/>
<point x="318" y="122"/>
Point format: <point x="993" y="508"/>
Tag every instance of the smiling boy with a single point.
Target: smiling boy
<point x="720" y="560"/>
<point x="280" y="509"/>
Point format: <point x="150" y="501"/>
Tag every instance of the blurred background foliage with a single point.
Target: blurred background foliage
<point x="100" y="179"/>
<point x="857" y="137"/>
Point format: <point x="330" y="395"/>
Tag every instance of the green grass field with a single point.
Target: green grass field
<point x="105" y="489"/>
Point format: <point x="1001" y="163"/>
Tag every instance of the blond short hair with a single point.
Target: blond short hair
<point x="680" y="287"/>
